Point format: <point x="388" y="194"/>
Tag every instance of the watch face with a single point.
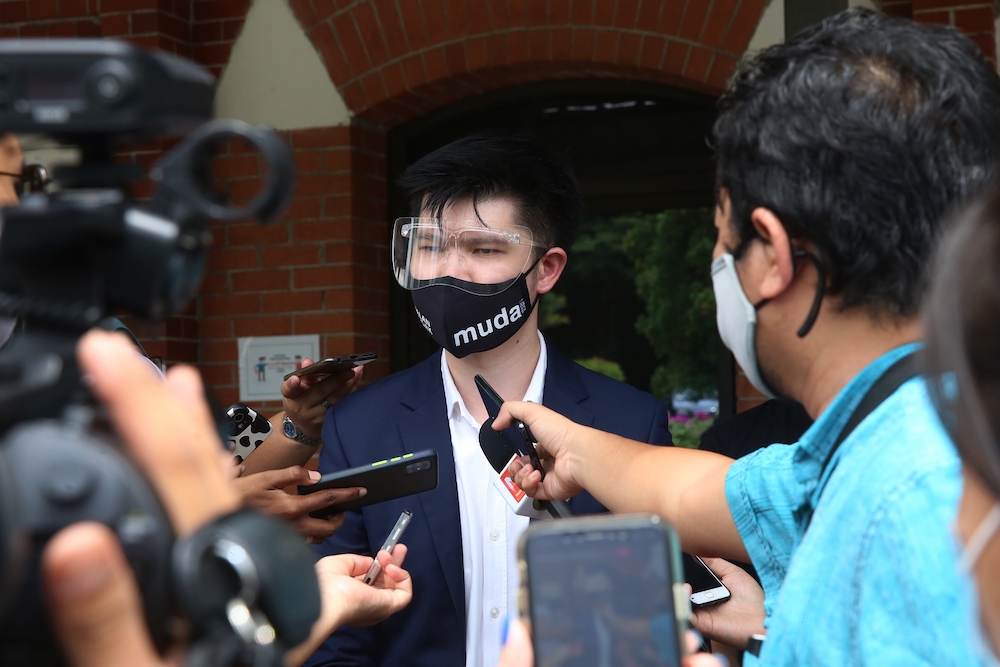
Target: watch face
<point x="290" y="429"/>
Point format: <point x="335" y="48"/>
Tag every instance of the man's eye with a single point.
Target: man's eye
<point x="487" y="250"/>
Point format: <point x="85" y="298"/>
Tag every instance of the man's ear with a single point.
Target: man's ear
<point x="549" y="269"/>
<point x="779" y="269"/>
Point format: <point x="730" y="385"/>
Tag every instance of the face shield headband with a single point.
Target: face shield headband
<point x="467" y="255"/>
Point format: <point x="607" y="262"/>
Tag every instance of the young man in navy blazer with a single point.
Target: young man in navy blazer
<point x="493" y="220"/>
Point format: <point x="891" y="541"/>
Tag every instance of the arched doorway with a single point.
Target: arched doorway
<point x="636" y="147"/>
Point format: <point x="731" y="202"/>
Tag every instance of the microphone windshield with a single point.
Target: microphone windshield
<point x="496" y="446"/>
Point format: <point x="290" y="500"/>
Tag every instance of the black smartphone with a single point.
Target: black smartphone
<point x="706" y="587"/>
<point x="385" y="480"/>
<point x="604" y="590"/>
<point x="335" y="365"/>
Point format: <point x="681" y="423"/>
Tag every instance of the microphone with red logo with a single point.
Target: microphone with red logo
<point x="501" y="452"/>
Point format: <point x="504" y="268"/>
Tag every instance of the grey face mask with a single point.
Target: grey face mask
<point x="736" y="317"/>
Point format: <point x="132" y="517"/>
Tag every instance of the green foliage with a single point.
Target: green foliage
<point x="552" y="311"/>
<point x="603" y="366"/>
<point x="686" y="432"/>
<point x="601" y="302"/>
<point x="672" y="252"/>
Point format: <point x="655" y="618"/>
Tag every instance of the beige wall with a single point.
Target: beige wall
<point x="275" y="77"/>
<point x="771" y="28"/>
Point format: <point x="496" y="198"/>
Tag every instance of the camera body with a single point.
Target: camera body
<point x="67" y="260"/>
<point x="100" y="88"/>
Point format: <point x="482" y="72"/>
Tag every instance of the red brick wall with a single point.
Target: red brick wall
<point x="973" y="18"/>
<point x="322" y="269"/>
<point x="396" y="59"/>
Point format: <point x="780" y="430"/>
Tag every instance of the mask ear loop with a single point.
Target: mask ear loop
<point x="980" y="538"/>
<point x="820" y="289"/>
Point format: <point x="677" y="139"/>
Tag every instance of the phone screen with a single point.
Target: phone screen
<point x="602" y="598"/>
<point x="706" y="588"/>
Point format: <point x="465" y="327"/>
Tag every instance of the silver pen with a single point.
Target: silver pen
<point x="397" y="531"/>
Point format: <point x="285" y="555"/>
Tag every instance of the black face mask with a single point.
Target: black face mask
<point x="464" y="322"/>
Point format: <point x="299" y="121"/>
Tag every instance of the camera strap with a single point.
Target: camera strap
<point x="896" y="376"/>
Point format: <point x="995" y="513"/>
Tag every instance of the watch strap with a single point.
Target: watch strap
<point x="297" y="435"/>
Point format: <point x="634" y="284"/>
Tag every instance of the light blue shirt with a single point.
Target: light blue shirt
<point x="875" y="579"/>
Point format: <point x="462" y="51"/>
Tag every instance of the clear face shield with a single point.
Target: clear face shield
<point x="473" y="256"/>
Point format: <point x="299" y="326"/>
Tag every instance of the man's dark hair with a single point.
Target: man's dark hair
<point x="484" y="167"/>
<point x="861" y="134"/>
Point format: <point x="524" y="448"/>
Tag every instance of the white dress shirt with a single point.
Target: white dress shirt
<point x="490" y="529"/>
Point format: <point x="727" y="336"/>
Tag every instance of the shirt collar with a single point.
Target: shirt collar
<point x="456" y="406"/>
<point x="816" y="443"/>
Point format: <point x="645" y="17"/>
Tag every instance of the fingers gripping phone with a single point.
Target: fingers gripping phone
<point x="334" y="365"/>
<point x="706" y="587"/>
<point x="604" y="590"/>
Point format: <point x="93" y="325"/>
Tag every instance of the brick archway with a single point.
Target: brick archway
<point x="393" y="60"/>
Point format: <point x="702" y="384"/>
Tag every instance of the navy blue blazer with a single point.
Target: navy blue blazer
<point x="405" y="413"/>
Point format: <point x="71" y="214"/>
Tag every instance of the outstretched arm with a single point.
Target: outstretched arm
<point x="686" y="487"/>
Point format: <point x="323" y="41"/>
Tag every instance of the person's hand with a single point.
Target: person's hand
<point x="94" y="601"/>
<point x="168" y="430"/>
<point x="732" y="621"/>
<point x="517" y="650"/>
<point x="266" y="492"/>
<point x="349" y="601"/>
<point x="306" y="399"/>
<point x="555" y="435"/>
<point x="166" y="426"/>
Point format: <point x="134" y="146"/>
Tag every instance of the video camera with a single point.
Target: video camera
<point x="67" y="260"/>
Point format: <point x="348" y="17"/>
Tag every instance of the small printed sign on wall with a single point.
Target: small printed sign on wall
<point x="266" y="360"/>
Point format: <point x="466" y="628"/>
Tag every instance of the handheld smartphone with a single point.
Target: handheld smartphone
<point x="247" y="429"/>
<point x="335" y="365"/>
<point x="706" y="588"/>
<point x="390" y="543"/>
<point x="387" y="479"/>
<point x="604" y="590"/>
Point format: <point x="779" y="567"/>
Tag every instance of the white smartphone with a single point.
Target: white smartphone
<point x="247" y="429"/>
<point x="706" y="588"/>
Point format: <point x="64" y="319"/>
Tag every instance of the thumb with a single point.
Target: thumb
<point x="94" y="601"/>
<point x="517" y="650"/>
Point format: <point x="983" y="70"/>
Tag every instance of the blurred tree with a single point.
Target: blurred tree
<point x="596" y="297"/>
<point x="672" y="252"/>
<point x="603" y="366"/>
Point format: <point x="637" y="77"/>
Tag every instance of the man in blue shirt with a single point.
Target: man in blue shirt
<point x="839" y="152"/>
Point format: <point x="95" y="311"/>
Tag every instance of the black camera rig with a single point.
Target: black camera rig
<point x="67" y="260"/>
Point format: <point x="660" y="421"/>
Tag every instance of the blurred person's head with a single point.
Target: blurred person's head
<point x="492" y="220"/>
<point x="11" y="164"/>
<point x="962" y="360"/>
<point x="838" y="154"/>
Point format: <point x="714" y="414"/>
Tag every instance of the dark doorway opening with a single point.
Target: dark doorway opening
<point x="635" y="147"/>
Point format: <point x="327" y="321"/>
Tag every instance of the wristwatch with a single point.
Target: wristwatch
<point x="292" y="432"/>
